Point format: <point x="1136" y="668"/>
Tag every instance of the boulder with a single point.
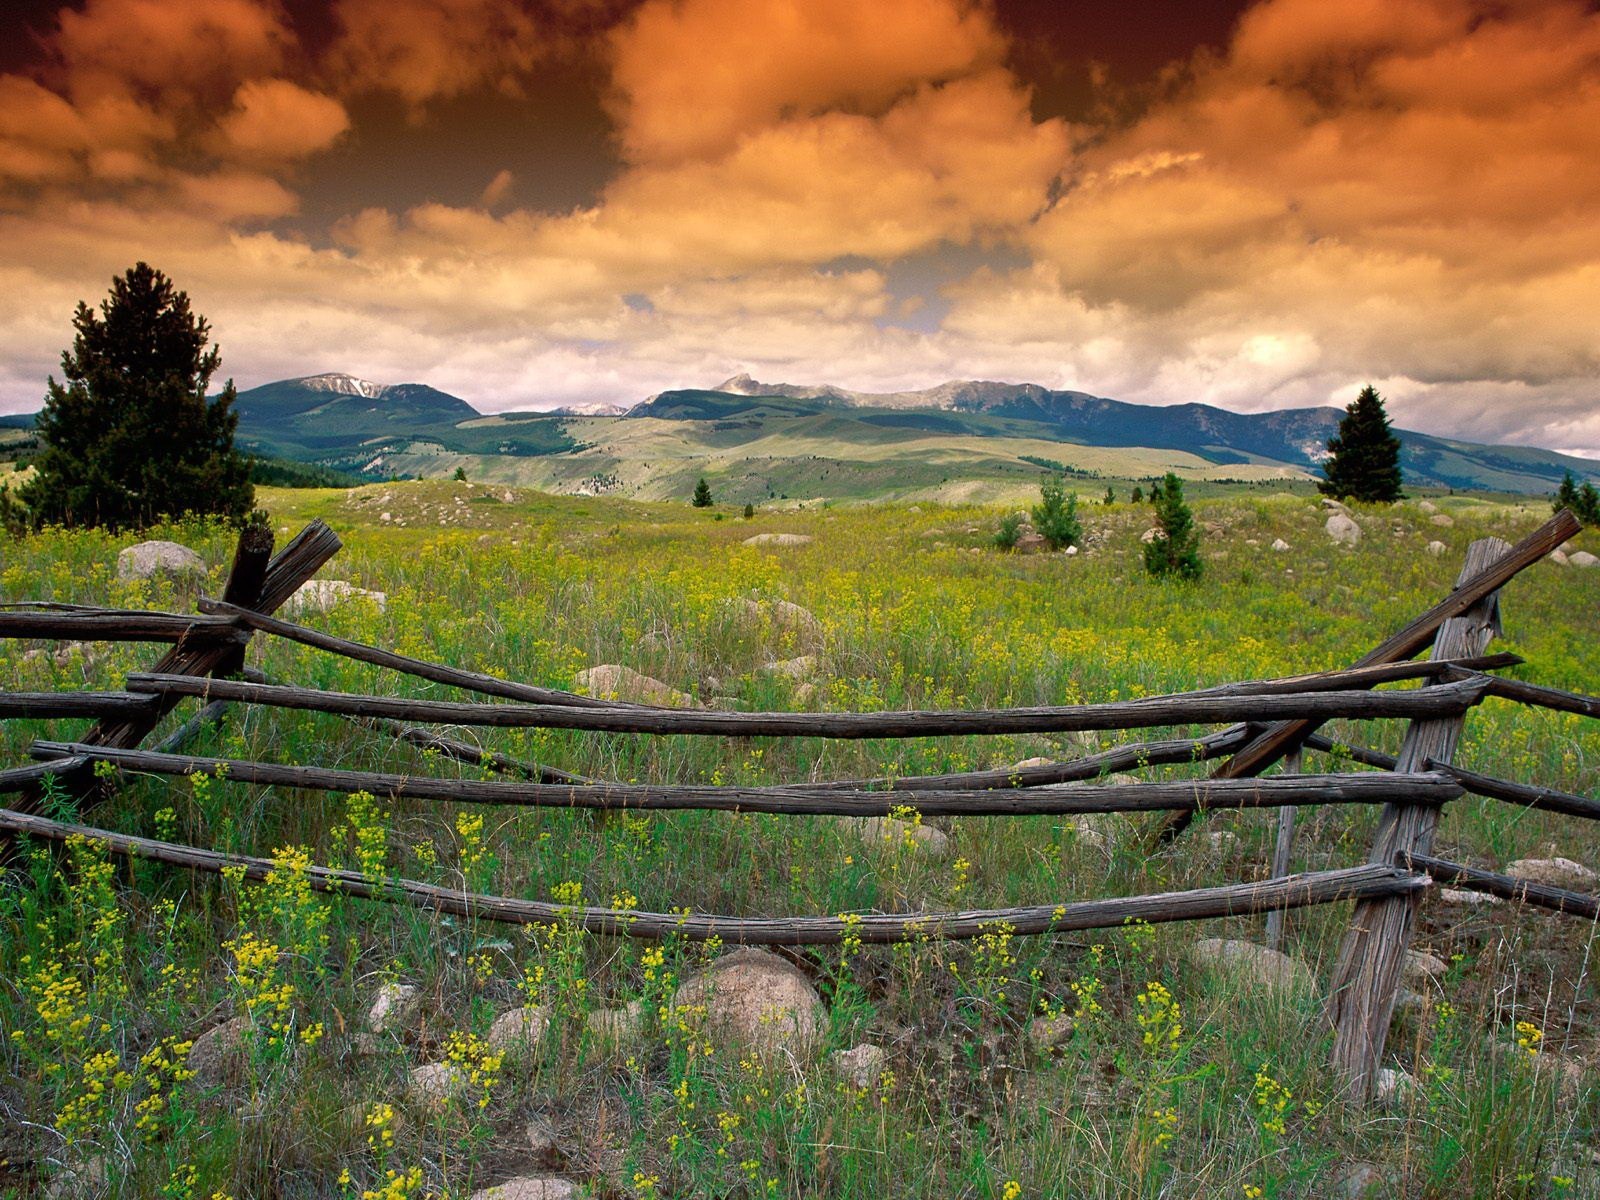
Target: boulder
<point x="922" y="839"/>
<point x="1071" y="550"/>
<point x="861" y="1066"/>
<point x="1556" y="872"/>
<point x="1279" y="545"/>
<point x="1421" y="967"/>
<point x="1031" y="543"/>
<point x="1363" y="1180"/>
<point x="1583" y="559"/>
<point x="320" y="595"/>
<point x="758" y="1000"/>
<point x="1329" y="504"/>
<point x="1150" y="535"/>
<point x="614" y="682"/>
<point x="435" y="1084"/>
<point x="1466" y="899"/>
<point x="529" y="1187"/>
<point x="394" y="1007"/>
<point x="1392" y="1086"/>
<point x="1253" y="966"/>
<point x="1343" y="529"/>
<point x="542" y="1137"/>
<point x="793" y="668"/>
<point x="1036" y="761"/>
<point x="787" y="621"/>
<point x="1436" y="548"/>
<point x="1441" y="520"/>
<point x="1046" y="1033"/>
<point x="1428" y="506"/>
<point x="518" y="1032"/>
<point x="219" y="1056"/>
<point x="149" y="559"/>
<point x="1559" y="558"/>
<point x="617" y="1027"/>
<point x="779" y="539"/>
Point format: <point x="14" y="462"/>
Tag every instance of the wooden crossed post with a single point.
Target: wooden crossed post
<point x="1366" y="980"/>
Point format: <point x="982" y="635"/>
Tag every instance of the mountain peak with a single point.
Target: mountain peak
<point x="344" y="385"/>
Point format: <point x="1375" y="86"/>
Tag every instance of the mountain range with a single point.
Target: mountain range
<point x="962" y="440"/>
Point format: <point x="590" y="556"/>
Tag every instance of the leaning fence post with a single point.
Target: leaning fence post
<point x="1281" y="852"/>
<point x="1366" y="979"/>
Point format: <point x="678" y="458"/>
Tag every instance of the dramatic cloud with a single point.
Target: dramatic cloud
<point x="1401" y="191"/>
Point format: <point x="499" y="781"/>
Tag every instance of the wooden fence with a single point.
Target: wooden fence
<point x="1263" y="722"/>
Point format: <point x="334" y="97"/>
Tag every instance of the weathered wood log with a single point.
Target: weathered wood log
<point x="110" y="625"/>
<point x="1473" y="782"/>
<point x="45" y="705"/>
<point x="27" y="779"/>
<point x="1366" y="979"/>
<point x="1443" y="700"/>
<point x="1407" y="643"/>
<point x="1507" y="887"/>
<point x="1296" y="891"/>
<point x="1281" y="852"/>
<point x="474" y="681"/>
<point x="1058" y="800"/>
<point x="1545" y="697"/>
<point x="501" y="764"/>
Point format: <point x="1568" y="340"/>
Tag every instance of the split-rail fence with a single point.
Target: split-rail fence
<point x="1264" y="722"/>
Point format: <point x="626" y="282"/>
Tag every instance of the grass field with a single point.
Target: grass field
<point x="1173" y="1083"/>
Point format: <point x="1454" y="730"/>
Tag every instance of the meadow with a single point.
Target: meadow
<point x="1173" y="1081"/>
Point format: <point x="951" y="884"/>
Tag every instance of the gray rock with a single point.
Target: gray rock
<point x="1150" y="535"/>
<point x="756" y="999"/>
<point x="612" y="681"/>
<point x="320" y="595"/>
<point x="1249" y="964"/>
<point x="779" y="539"/>
<point x="1466" y="899"/>
<point x="542" y="1137"/>
<point x="1559" y="558"/>
<point x="1441" y="520"/>
<point x="219" y="1056"/>
<point x="1392" y="1086"/>
<point x="1329" y="504"/>
<point x="860" y="1066"/>
<point x="1583" y="559"/>
<point x="1279" y="545"/>
<point x="793" y="668"/>
<point x="1362" y="1181"/>
<point x="529" y="1187"/>
<point x="435" y="1084"/>
<point x="1436" y="548"/>
<point x="394" y="1008"/>
<point x="888" y="832"/>
<point x="787" y="621"/>
<point x="1031" y="543"/>
<point x="1556" y="872"/>
<point x="617" y="1027"/>
<point x="1343" y="529"/>
<point x="1427" y="506"/>
<point x="519" y="1032"/>
<point x="82" y="1178"/>
<point x="1046" y="1033"/>
<point x="1420" y="967"/>
<point x="149" y="559"/>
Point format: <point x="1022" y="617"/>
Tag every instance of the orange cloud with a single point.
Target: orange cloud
<point x="275" y="120"/>
<point x="693" y="76"/>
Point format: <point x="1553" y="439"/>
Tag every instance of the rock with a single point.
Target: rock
<point x="758" y="1000"/>
<point x="149" y="559"/>
<point x="1441" y="520"/>
<point x="1557" y="872"/>
<point x="1279" y="545"/>
<point x="1071" y="550"/>
<point x="1436" y="548"/>
<point x="1150" y="535"/>
<point x="1222" y="840"/>
<point x="793" y="668"/>
<point x="1583" y="559"/>
<point x="1046" y="1033"/>
<point x="542" y="1137"/>
<point x="394" y="1007"/>
<point x="1392" y="1085"/>
<point x="1468" y="899"/>
<point x="219" y="1055"/>
<point x="861" y="1066"/>
<point x="1248" y="963"/>
<point x="78" y="1178"/>
<point x="888" y="831"/>
<point x="614" y="682"/>
<point x="518" y="1032"/>
<point x="1030" y="543"/>
<point x="529" y="1187"/>
<point x="64" y="653"/>
<point x="319" y="595"/>
<point x="1342" y="529"/>
<point x="1329" y="504"/>
<point x="788" y="622"/>
<point x="1362" y="1181"/>
<point x="617" y="1027"/>
<point x="1427" y="506"/>
<point x="1421" y="967"/>
<point x="1557" y="557"/>
<point x="1030" y="762"/>
<point x="779" y="539"/>
<point x="435" y="1084"/>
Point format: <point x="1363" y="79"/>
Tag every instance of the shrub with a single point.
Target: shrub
<point x="1056" y="514"/>
<point x="702" y="494"/>
<point x="1010" y="530"/>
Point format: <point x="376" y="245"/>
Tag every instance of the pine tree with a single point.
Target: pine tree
<point x="1584" y="502"/>
<point x="130" y="438"/>
<point x="1364" y="456"/>
<point x="702" y="494"/>
<point x="1175" y="550"/>
<point x="1056" y="514"/>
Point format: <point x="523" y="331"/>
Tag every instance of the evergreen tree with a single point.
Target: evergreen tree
<point x="130" y="438"/>
<point x="1056" y="514"/>
<point x="702" y="494"/>
<point x="460" y="476"/>
<point x="1110" y="497"/>
<point x="1138" y="494"/>
<point x="749" y="510"/>
<point x="1364" y="456"/>
<point x="1176" y="549"/>
<point x="1584" y="502"/>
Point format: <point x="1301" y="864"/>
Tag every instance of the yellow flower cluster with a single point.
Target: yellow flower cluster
<point x="1272" y="1102"/>
<point x="476" y="1060"/>
<point x="1529" y="1037"/>
<point x="369" y="832"/>
<point x="265" y="995"/>
<point x="164" y="1066"/>
<point x="1160" y="1019"/>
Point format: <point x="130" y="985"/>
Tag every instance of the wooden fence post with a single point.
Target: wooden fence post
<point x="1282" y="850"/>
<point x="1366" y="979"/>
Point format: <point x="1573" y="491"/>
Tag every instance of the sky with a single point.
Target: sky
<point x="530" y="203"/>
